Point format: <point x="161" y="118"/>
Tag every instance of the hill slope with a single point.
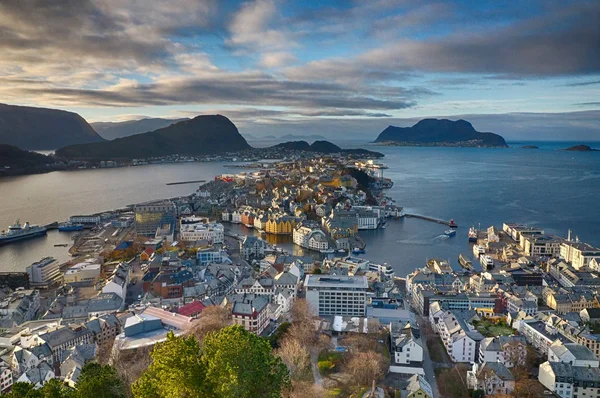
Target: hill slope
<point x="42" y="128"/>
<point x="201" y="135"/>
<point x="113" y="130"/>
<point x="442" y="132"/>
<point x="325" y="147"/>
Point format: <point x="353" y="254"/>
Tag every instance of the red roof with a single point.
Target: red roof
<point x="192" y="308"/>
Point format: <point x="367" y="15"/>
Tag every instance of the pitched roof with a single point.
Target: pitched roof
<point x="191" y="309"/>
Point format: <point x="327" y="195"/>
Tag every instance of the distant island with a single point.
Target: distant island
<point x="202" y="135"/>
<point x="42" y="128"/>
<point x="114" y="130"/>
<point x="324" y="147"/>
<point x="439" y="132"/>
<point x="582" y="148"/>
<point x="530" y="147"/>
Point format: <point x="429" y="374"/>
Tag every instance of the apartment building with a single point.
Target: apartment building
<point x="337" y="295"/>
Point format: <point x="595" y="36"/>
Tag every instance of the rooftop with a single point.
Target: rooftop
<point x="327" y="281"/>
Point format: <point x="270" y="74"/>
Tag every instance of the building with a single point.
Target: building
<point x="540" y="245"/>
<point x="337" y="295"/>
<point x="310" y="236"/>
<point x="406" y="348"/>
<point x="515" y="230"/>
<point x="507" y="350"/>
<point x="210" y="255"/>
<point x="85" y="220"/>
<point x="6" y="377"/>
<point x="568" y="381"/>
<point x="538" y="334"/>
<point x="492" y="378"/>
<point x="87" y="271"/>
<point x="578" y="254"/>
<point x="460" y="338"/>
<point x="591" y="341"/>
<point x="209" y="231"/>
<point x="417" y="387"/>
<point x="151" y="216"/>
<point x="65" y="337"/>
<point x="251" y="312"/>
<point x="44" y="272"/>
<point x="283" y="225"/>
<point x="252" y="246"/>
<point x="573" y="354"/>
<point x="118" y="282"/>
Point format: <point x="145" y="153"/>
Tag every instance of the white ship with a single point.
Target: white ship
<point x="18" y="232"/>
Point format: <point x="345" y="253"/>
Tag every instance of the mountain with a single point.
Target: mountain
<point x="325" y="147"/>
<point x="581" y="148"/>
<point x="202" y="135"/>
<point x="43" y="128"/>
<point x="440" y="132"/>
<point x="294" y="137"/>
<point x="113" y="130"/>
<point x="15" y="161"/>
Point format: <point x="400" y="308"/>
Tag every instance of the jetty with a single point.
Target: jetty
<point x="450" y="223"/>
<point x="185" y="182"/>
<point x="52" y="225"/>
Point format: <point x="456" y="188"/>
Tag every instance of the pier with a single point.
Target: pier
<point x="185" y="182"/>
<point x="436" y="220"/>
<point x="52" y="225"/>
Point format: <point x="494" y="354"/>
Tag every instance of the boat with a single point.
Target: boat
<point x="472" y="235"/>
<point x="358" y="250"/>
<point x="18" y="232"/>
<point x="69" y="226"/>
<point x="478" y="250"/>
<point x="450" y="232"/>
<point x="452" y="224"/>
<point x="486" y="261"/>
<point x="464" y="262"/>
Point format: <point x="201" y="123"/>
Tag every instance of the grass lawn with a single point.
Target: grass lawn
<point x="491" y="329"/>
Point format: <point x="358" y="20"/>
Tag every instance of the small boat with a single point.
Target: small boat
<point x="472" y="235"/>
<point x="69" y="226"/>
<point x="358" y="250"/>
<point x="450" y="232"/>
<point x="464" y="262"/>
<point x="452" y="224"/>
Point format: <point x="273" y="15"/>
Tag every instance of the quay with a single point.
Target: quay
<point x="450" y="223"/>
<point x="185" y="182"/>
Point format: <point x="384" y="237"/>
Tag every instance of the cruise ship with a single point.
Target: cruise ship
<point x="20" y="232"/>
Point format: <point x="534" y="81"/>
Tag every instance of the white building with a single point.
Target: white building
<point x="578" y="254"/>
<point x="210" y="231"/>
<point x="310" y="236"/>
<point x="337" y="295"/>
<point x="118" y="281"/>
<point x="568" y="381"/>
<point x="252" y="246"/>
<point x="43" y="272"/>
<point x="86" y="271"/>
<point x="573" y="354"/>
<point x="85" y="219"/>
<point x="460" y="339"/>
<point x="406" y="348"/>
<point x="6" y="377"/>
<point x="507" y="350"/>
<point x="491" y="377"/>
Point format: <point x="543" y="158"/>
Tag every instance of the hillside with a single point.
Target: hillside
<point x="114" y="130"/>
<point x="440" y="132"/>
<point x="202" y="135"/>
<point x="325" y="147"/>
<point x="42" y="128"/>
<point x="15" y="161"/>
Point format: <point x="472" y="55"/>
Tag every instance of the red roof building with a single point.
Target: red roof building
<point x="192" y="309"/>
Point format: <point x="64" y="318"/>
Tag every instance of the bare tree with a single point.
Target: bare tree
<point x="303" y="323"/>
<point x="366" y="366"/>
<point x="295" y="356"/>
<point x="212" y="319"/>
<point x="304" y="389"/>
<point x="130" y="364"/>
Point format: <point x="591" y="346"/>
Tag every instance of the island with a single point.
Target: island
<point x="324" y="147"/>
<point x="582" y="148"/>
<point x="440" y="132"/>
<point x="530" y="147"/>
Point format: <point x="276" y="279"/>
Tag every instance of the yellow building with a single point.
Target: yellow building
<point x="280" y="226"/>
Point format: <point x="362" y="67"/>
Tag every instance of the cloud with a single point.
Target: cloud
<point x="579" y="84"/>
<point x="277" y="59"/>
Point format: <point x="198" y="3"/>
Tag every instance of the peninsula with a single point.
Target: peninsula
<point x="440" y="132"/>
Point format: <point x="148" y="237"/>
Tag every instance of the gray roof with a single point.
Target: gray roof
<point x="498" y="368"/>
<point x="574" y="373"/>
<point x="63" y="335"/>
<point x="247" y="304"/>
<point x="580" y="352"/>
<point x="328" y="281"/>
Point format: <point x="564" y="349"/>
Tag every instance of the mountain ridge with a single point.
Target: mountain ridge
<point x="440" y="132"/>
<point x="35" y="128"/>
<point x="114" y="130"/>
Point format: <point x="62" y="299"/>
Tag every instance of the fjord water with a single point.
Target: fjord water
<point x="547" y="187"/>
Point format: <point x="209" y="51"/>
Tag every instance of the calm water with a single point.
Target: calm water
<point x="554" y="189"/>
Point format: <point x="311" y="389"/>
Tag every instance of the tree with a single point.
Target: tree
<point x="53" y="388"/>
<point x="130" y="364"/>
<point x="295" y="356"/>
<point x="23" y="390"/>
<point x="99" y="381"/>
<point x="176" y="370"/>
<point x="303" y="326"/>
<point x="240" y="364"/>
<point x="212" y="319"/>
<point x="366" y="367"/>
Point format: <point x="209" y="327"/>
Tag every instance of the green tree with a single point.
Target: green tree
<point x="23" y="390"/>
<point x="99" y="381"/>
<point x="54" y="388"/>
<point x="176" y="370"/>
<point x="240" y="364"/>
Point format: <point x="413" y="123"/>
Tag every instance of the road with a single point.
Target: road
<point x="314" y="360"/>
<point x="427" y="362"/>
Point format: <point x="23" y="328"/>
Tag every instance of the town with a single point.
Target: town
<point x="522" y="321"/>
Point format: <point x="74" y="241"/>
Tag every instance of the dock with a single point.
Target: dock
<point x="185" y="182"/>
<point x="432" y="219"/>
<point x="52" y="225"/>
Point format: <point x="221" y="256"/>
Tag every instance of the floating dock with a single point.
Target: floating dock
<point x="436" y="220"/>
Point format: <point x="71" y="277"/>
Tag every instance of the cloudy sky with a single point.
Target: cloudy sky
<point x="528" y="70"/>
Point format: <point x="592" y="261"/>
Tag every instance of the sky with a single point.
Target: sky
<point x="527" y="70"/>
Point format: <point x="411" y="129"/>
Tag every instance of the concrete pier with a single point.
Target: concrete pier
<point x="436" y="220"/>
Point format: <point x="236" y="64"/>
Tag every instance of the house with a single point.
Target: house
<point x="24" y="359"/>
<point x="75" y="358"/>
<point x="193" y="309"/>
<point x="460" y="339"/>
<point x="573" y="354"/>
<point x="492" y="378"/>
<point x="65" y="337"/>
<point x="508" y="350"/>
<point x="38" y="375"/>
<point x="6" y="377"/>
<point x="104" y="328"/>
<point x="250" y="311"/>
<point x="568" y="381"/>
<point x="118" y="282"/>
<point x="252" y="246"/>
<point x="590" y="315"/>
<point x="406" y="348"/>
<point x="417" y="387"/>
